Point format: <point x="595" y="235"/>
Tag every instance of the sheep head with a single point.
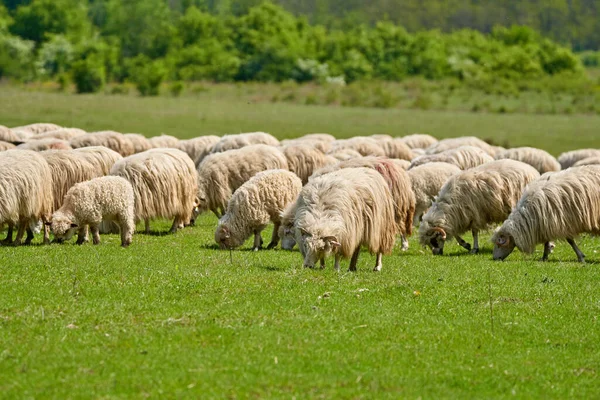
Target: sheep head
<point x="504" y="244"/>
<point x="317" y="247"/>
<point x="225" y="238"/>
<point x="62" y="226"/>
<point x="287" y="236"/>
<point x="435" y="238"/>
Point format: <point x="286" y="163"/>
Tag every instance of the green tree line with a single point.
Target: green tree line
<point x="147" y="41"/>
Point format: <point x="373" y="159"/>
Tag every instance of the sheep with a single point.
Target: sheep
<point x="345" y="154"/>
<point x="40" y="127"/>
<point x="6" y="146"/>
<point x="416" y="152"/>
<point x="25" y="193"/>
<point x="9" y="135"/>
<point x="453" y="143"/>
<point x="164" y="184"/>
<point x="45" y="144"/>
<point x="113" y="140"/>
<point x="320" y="145"/>
<point x="464" y="157"/>
<point x="569" y="158"/>
<point x="381" y="137"/>
<point x="321" y="137"/>
<point x="286" y="226"/>
<point x="588" y="161"/>
<point x="140" y="142"/>
<point x="473" y="200"/>
<point x="165" y="141"/>
<point x="557" y="206"/>
<point x="62" y="134"/>
<point x="88" y="203"/>
<point x="101" y="157"/>
<point x="233" y="142"/>
<point x="364" y="145"/>
<point x="220" y="174"/>
<point x="198" y="147"/>
<point x="426" y="181"/>
<point x="254" y="204"/>
<point x="404" y="164"/>
<point x="398" y="181"/>
<point x="303" y="160"/>
<point x="340" y="211"/>
<point x="419" y="141"/>
<point x="396" y="148"/>
<point x="537" y="158"/>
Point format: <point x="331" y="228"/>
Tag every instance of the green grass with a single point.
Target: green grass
<point x="172" y="316"/>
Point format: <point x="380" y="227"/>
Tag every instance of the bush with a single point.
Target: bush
<point x="147" y="75"/>
<point x="55" y="56"/>
<point x="16" y="57"/>
<point x="177" y="88"/>
<point x="89" y="75"/>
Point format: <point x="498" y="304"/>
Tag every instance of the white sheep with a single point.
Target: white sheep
<point x="140" y="142"/>
<point x="101" y="157"/>
<point x="473" y="200"/>
<point x="62" y="133"/>
<point x="8" y="135"/>
<point x="220" y="174"/>
<point x="366" y="146"/>
<point x="340" y="211"/>
<point x="166" y="141"/>
<point x="303" y="160"/>
<point x="37" y="128"/>
<point x="111" y="139"/>
<point x="258" y="201"/>
<point x="537" y="158"/>
<point x="561" y="205"/>
<point x="198" y="147"/>
<point x="88" y="203"/>
<point x="569" y="158"/>
<point x="320" y="145"/>
<point x="396" y="148"/>
<point x="6" y="146"/>
<point x="237" y="141"/>
<point x="588" y="161"/>
<point x="453" y="143"/>
<point x="345" y="154"/>
<point x="463" y="157"/>
<point x="45" y="144"/>
<point x="419" y="141"/>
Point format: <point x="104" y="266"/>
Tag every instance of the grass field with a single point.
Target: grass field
<point x="172" y="316"/>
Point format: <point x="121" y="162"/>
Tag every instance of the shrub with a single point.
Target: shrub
<point x="16" y="57"/>
<point x="147" y="75"/>
<point x="89" y="75"/>
<point x="55" y="56"/>
<point x="177" y="88"/>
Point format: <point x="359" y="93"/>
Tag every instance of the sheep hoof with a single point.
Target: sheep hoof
<point x="475" y="251"/>
<point x="256" y="249"/>
<point x="125" y="245"/>
<point x="271" y="246"/>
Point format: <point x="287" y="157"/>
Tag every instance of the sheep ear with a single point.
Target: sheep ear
<point x="441" y="232"/>
<point x="304" y="232"/>
<point x="332" y="240"/>
<point x="74" y="225"/>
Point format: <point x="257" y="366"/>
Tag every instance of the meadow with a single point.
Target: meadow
<point x="173" y="316"/>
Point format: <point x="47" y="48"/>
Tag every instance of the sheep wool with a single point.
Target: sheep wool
<point x="569" y="158"/>
<point x="9" y="135"/>
<point x="233" y="142"/>
<point x="88" y="203"/>
<point x="537" y="158"/>
<point x="6" y="146"/>
<point x="396" y="148"/>
<point x="166" y="141"/>
<point x="110" y="139"/>
<point x="588" y="161"/>
<point x="102" y="158"/>
<point x="303" y="160"/>
<point x="345" y="154"/>
<point x="365" y="146"/>
<point x="62" y="134"/>
<point x="463" y="157"/>
<point x="453" y="143"/>
<point x="198" y="147"/>
<point x="140" y="142"/>
<point x="258" y="201"/>
<point x="45" y="144"/>
<point x="419" y="141"/>
<point x="37" y="128"/>
<point x="473" y="200"/>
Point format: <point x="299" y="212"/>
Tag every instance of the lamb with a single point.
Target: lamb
<point x="88" y="203"/>
<point x="101" y="157"/>
<point x="198" y="147"/>
<point x="537" y="158"/>
<point x="62" y="134"/>
<point x="165" y="141"/>
<point x="113" y="140"/>
<point x="254" y="204"/>
<point x="588" y="161"/>
<point x="473" y="200"/>
<point x="419" y="141"/>
<point x="464" y="157"/>
<point x="220" y="174"/>
<point x="345" y="154"/>
<point x="396" y="148"/>
<point x="364" y="145"/>
<point x="557" y="206"/>
<point x="6" y="146"/>
<point x="569" y="158"/>
<point x="426" y="181"/>
<point x="453" y="143"/>
<point x="164" y="185"/>
<point x="37" y="128"/>
<point x="303" y="160"/>
<point x="233" y="142"/>
<point x="340" y="211"/>
<point x="140" y="142"/>
<point x="25" y="193"/>
<point x="45" y="144"/>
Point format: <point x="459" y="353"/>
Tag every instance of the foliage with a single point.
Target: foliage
<point x="89" y="74"/>
<point x="147" y="75"/>
<point x="54" y="57"/>
<point x="16" y="57"/>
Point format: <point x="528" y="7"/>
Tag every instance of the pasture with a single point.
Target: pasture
<point x="173" y="316"/>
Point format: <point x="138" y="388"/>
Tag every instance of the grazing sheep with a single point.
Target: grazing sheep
<point x="364" y="145"/>
<point x="140" y="142"/>
<point x="9" y="135"/>
<point x="220" y="174"/>
<point x="40" y="127"/>
<point x="569" y="158"/>
<point x="88" y="203"/>
<point x="62" y="134"/>
<point x="113" y="140"/>
<point x="416" y="152"/>
<point x="340" y="211"/>
<point x="198" y="147"/>
<point x="166" y="141"/>
<point x="464" y="157"/>
<point x="320" y="145"/>
<point x="345" y="154"/>
<point x="258" y="201"/>
<point x="25" y="193"/>
<point x="588" y="161"/>
<point x="537" y="158"/>
<point x="453" y="143"/>
<point x="404" y="164"/>
<point x="233" y="142"/>
<point x="381" y="137"/>
<point x="6" y="146"/>
<point x="164" y="185"/>
<point x="473" y="200"/>
<point x="321" y="137"/>
<point x="557" y="206"/>
<point x="426" y="181"/>
<point x="303" y="160"/>
<point x="101" y="157"/>
<point x="45" y="144"/>
<point x="396" y="148"/>
<point x="286" y="226"/>
<point x="419" y="141"/>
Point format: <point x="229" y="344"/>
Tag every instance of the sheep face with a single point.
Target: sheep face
<point x="288" y="239"/>
<point x="62" y="227"/>
<point x="504" y="244"/>
<point x="225" y="239"/>
<point x="317" y="247"/>
<point x="434" y="238"/>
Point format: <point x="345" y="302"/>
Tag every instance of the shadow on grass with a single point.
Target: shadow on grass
<point x="156" y="233"/>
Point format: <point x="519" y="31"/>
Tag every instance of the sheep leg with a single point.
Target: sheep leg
<point x="475" y="242"/>
<point x="275" y="237"/>
<point x="82" y="235"/>
<point x="257" y="241"/>
<point x="462" y="242"/>
<point x="404" y="243"/>
<point x="547" y="251"/>
<point x="127" y="227"/>
<point x="46" y="234"/>
<point x="95" y="234"/>
<point x="147" y="226"/>
<point x="322" y="262"/>
<point x="20" y="233"/>
<point x="29" y="237"/>
<point x="175" y="225"/>
<point x="336" y="264"/>
<point x="354" y="260"/>
<point x="378" y="263"/>
<point x="580" y="255"/>
<point x="9" y="234"/>
<point x="216" y="212"/>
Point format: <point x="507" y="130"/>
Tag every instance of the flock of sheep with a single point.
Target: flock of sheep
<point x="328" y="196"/>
